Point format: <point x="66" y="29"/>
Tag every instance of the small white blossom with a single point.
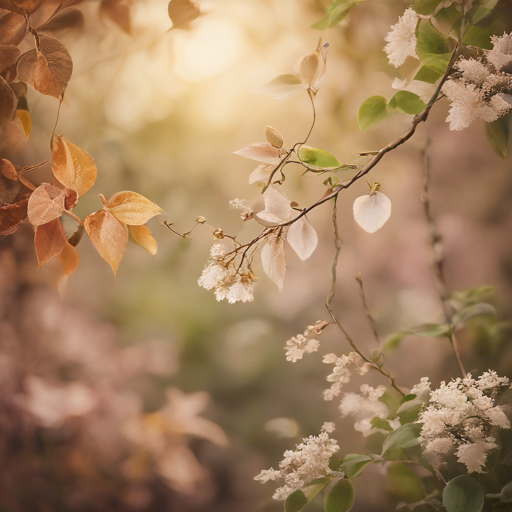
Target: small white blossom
<point x="475" y="455"/>
<point x="308" y="462"/>
<point x="298" y="345"/>
<point x="341" y="372"/>
<point x="501" y="53"/>
<point x="473" y="70"/>
<point x="422" y="390"/>
<point x="402" y="38"/>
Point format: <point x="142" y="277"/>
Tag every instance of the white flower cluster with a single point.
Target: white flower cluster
<point x="298" y="345"/>
<point x="341" y="372"/>
<point x="461" y="418"/>
<point x="228" y="284"/>
<point x="402" y="38"/>
<point x="365" y="407"/>
<point x="481" y="91"/>
<point x="307" y="463"/>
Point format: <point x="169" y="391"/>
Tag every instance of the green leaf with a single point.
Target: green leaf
<point x="449" y="14"/>
<point x="372" y="112"/>
<point x="394" y="340"/>
<point x="479" y="37"/>
<point x="339" y="496"/>
<point x="318" y="157"/>
<point x="353" y="464"/>
<point x="381" y="424"/>
<point x="474" y="294"/>
<point x="374" y="443"/>
<point x="295" y="502"/>
<point x="463" y="494"/>
<point x="405" y="483"/>
<point x="408" y="411"/>
<point x="430" y="330"/>
<point x="336" y="13"/>
<point x="405" y="436"/>
<point x="497" y="134"/>
<point x="425" y="6"/>
<point x="429" y="41"/>
<point x="426" y="74"/>
<point x="480" y="309"/>
<point x="437" y="63"/>
<point x="483" y="10"/>
<point x="409" y="102"/>
<point x="505" y="496"/>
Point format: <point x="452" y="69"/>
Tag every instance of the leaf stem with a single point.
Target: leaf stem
<point x="73" y="216"/>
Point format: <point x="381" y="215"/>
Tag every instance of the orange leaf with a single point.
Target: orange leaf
<point x="49" y="240"/>
<point x="8" y="102"/>
<point x="69" y="19"/>
<point x="119" y="11"/>
<point x="108" y="235"/>
<point x="132" y="208"/>
<point x="142" y="236"/>
<point x="12" y="138"/>
<point x="48" y="69"/>
<point x="29" y="6"/>
<point x="9" y="184"/>
<point x="9" y="55"/>
<point x="69" y="258"/>
<point x="183" y="12"/>
<point x="11" y="216"/>
<point x="73" y="166"/>
<point x="45" y="204"/>
<point x="13" y="27"/>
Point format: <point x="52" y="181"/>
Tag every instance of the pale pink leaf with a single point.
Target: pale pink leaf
<point x="273" y="260"/>
<point x="260" y="174"/>
<point x="303" y="238"/>
<point x="281" y="87"/>
<point x="262" y="152"/>
<point x="372" y="212"/>
<point x="277" y="208"/>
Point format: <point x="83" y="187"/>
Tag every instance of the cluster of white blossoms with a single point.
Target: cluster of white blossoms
<point x="365" y="407"/>
<point x="308" y="462"/>
<point x="341" y="372"/>
<point x="402" y="38"/>
<point x="461" y="418"/>
<point x="228" y="284"/>
<point x="301" y="344"/>
<point x="483" y="88"/>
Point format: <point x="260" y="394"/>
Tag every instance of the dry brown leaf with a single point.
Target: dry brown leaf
<point x="9" y="55"/>
<point x="8" y="170"/>
<point x="71" y="199"/>
<point x="132" y="208"/>
<point x="46" y="204"/>
<point x="26" y="121"/>
<point x="119" y="11"/>
<point x="274" y="137"/>
<point x="47" y="70"/>
<point x="108" y="235"/>
<point x="273" y="260"/>
<point x="262" y="152"/>
<point x="69" y="258"/>
<point x="142" y="236"/>
<point x="8" y="102"/>
<point x="13" y="27"/>
<point x="73" y="166"/>
<point x="11" y="216"/>
<point x="183" y="12"/>
<point x="12" y="138"/>
<point x="9" y="184"/>
<point x="68" y="19"/>
<point x="49" y="240"/>
<point x="29" y="6"/>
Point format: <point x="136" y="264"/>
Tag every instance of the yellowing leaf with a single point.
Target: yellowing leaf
<point x="303" y="238"/>
<point x="281" y="87"/>
<point x="262" y="152"/>
<point x="48" y="69"/>
<point x="132" y="208"/>
<point x="49" y="240"/>
<point x="108" y="235"/>
<point x="45" y="204"/>
<point x="274" y="137"/>
<point x="69" y="258"/>
<point x="142" y="236"/>
<point x="183" y="12"/>
<point x="273" y="260"/>
<point x="26" y="121"/>
<point x="119" y="11"/>
<point x="372" y="212"/>
<point x="73" y="166"/>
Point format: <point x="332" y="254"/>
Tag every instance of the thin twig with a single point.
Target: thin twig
<point x="73" y="216"/>
<point x="367" y="312"/>
<point x="438" y="256"/>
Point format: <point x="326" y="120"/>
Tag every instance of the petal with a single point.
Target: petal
<point x="303" y="238"/>
<point x="273" y="260"/>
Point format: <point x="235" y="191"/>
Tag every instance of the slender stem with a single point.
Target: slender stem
<point x="310" y="94"/>
<point x="73" y="216"/>
<point x="438" y="257"/>
<point x="367" y="312"/>
<point x="337" y="244"/>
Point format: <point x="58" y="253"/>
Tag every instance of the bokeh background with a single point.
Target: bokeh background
<point x="146" y="393"/>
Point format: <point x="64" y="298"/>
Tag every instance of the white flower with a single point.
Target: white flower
<point x="212" y="276"/>
<point x="240" y="291"/>
<point x="402" y="38"/>
<point x="422" y="390"/>
<point x="475" y="455"/>
<point x="473" y="70"/>
<point x="341" y="372"/>
<point x="307" y="463"/>
<point x="436" y="449"/>
<point x="501" y="53"/>
<point x="298" y="345"/>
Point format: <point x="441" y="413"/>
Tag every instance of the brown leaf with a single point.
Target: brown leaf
<point x="29" y="6"/>
<point x="47" y="70"/>
<point x="49" y="240"/>
<point x="8" y="102"/>
<point x="132" y="208"/>
<point x="69" y="258"/>
<point x="11" y="216"/>
<point x="108" y="235"/>
<point x="8" y="170"/>
<point x="9" y="184"/>
<point x="13" y="27"/>
<point x="46" y="204"/>
<point x="71" y="199"/>
<point x="118" y="11"/>
<point x="12" y="138"/>
<point x="183" y="12"/>
<point x="142" y="236"/>
<point x="9" y="55"/>
<point x="68" y="19"/>
<point x="72" y="166"/>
